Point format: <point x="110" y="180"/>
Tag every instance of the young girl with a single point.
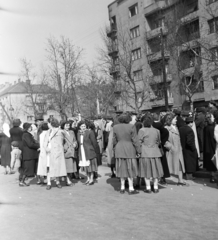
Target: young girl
<point x="15" y="157"/>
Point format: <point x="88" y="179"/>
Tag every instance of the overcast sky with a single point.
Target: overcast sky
<point x="26" y="24"/>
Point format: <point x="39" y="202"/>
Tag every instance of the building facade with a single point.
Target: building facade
<point x="178" y="37"/>
<point x="26" y="101"/>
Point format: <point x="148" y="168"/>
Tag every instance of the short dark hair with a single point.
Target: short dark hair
<point x="63" y="123"/>
<point x="16" y="122"/>
<point x="156" y="116"/>
<point x="168" y="119"/>
<point x="54" y="122"/>
<point x="147" y="121"/>
<point x="44" y="126"/>
<point x="124" y="118"/>
<point x="81" y="123"/>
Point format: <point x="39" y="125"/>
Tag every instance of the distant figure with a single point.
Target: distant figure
<point x="16" y="133"/>
<point x="5" y="146"/>
<point x="15" y="157"/>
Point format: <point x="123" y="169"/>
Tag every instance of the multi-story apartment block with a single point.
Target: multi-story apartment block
<point x="183" y="34"/>
<point x="26" y="101"/>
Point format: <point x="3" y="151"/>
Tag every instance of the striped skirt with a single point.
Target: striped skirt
<point x="150" y="168"/>
<point x="126" y="167"/>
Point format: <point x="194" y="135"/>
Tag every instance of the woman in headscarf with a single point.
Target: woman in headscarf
<point x="16" y="133"/>
<point x="5" y="148"/>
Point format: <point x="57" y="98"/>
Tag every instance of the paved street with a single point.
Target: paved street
<point x="99" y="212"/>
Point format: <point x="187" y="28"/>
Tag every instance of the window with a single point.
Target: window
<point x="194" y="85"/>
<point x="133" y="10"/>
<point x="136" y="54"/>
<point x="213" y="25"/>
<point x="137" y="75"/>
<point x="215" y="82"/>
<point x="134" y="32"/>
<point x="41" y="107"/>
<point x="214" y="54"/>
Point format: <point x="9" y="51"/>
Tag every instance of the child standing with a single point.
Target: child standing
<point x="15" y="157"/>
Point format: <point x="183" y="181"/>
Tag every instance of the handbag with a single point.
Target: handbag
<point x="215" y="161"/>
<point x="168" y="145"/>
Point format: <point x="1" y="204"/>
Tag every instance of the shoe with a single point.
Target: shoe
<point x="147" y="190"/>
<point x="89" y="184"/>
<point x="86" y="183"/>
<point x="69" y="184"/>
<point x="163" y="181"/>
<point x="122" y="191"/>
<point x="58" y="185"/>
<point x="23" y="184"/>
<point x="133" y="192"/>
<point x="182" y="184"/>
<point x="137" y="186"/>
<point x="39" y="183"/>
<point x="156" y="190"/>
<point x="113" y="175"/>
<point x="212" y="180"/>
<point x="48" y="187"/>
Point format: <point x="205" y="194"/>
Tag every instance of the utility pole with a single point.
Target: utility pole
<point x="164" y="70"/>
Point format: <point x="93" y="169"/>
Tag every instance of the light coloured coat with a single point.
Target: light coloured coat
<point x="149" y="139"/>
<point x="42" y="164"/>
<point x="57" y="165"/>
<point x="70" y="143"/>
<point x="175" y="155"/>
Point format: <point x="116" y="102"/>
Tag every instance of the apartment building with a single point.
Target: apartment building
<point x="190" y="60"/>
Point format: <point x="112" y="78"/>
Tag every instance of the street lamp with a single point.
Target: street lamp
<point x="11" y="111"/>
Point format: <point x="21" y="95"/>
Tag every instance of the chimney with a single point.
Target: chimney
<point x="28" y="81"/>
<point x="18" y="80"/>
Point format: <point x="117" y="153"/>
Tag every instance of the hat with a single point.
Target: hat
<point x="213" y="103"/>
<point x="26" y="126"/>
<point x="201" y="109"/>
<point x="15" y="144"/>
<point x="39" y="117"/>
<point x="189" y="120"/>
<point x="177" y="111"/>
<point x="185" y="113"/>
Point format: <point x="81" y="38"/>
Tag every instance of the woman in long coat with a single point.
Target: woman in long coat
<point x="88" y="151"/>
<point x="54" y="146"/>
<point x="216" y="138"/>
<point x="174" y="155"/>
<point x="70" y="143"/>
<point x="126" y="145"/>
<point x="29" y="153"/>
<point x="209" y="146"/>
<point x="5" y="149"/>
<point x="16" y="133"/>
<point x="42" y="163"/>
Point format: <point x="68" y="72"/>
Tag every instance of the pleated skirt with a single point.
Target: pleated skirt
<point x="126" y="167"/>
<point x="71" y="165"/>
<point x="150" y="168"/>
<point x="93" y="167"/>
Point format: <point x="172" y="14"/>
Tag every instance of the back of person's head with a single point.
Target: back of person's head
<point x="54" y="123"/>
<point x="44" y="126"/>
<point x="124" y="118"/>
<point x="16" y="122"/>
<point x="147" y="121"/>
<point x="156" y="116"/>
<point x="15" y="144"/>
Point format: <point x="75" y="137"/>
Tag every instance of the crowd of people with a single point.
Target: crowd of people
<point x="140" y="149"/>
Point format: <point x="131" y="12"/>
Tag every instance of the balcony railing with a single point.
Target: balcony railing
<point x="158" y="79"/>
<point x="161" y="102"/>
<point x="112" y="31"/>
<point x="118" y="88"/>
<point x="157" y="5"/>
<point x="152" y="57"/>
<point x="115" y="69"/>
<point x="155" y="32"/>
<point x="113" y="50"/>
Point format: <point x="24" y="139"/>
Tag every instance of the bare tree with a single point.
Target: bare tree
<point x="64" y="73"/>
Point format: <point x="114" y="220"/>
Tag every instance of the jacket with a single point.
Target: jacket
<point x="30" y="147"/>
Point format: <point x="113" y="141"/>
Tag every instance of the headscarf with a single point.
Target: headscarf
<point x="6" y="129"/>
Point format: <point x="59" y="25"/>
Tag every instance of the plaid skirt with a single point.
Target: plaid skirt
<point x="126" y="167"/>
<point x="150" y="168"/>
<point x="71" y="166"/>
<point x="93" y="167"/>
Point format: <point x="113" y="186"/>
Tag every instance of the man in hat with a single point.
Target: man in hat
<point x="212" y="106"/>
<point x="187" y="138"/>
<point x="38" y="121"/>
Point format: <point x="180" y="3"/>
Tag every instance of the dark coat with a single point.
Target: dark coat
<point x="16" y="135"/>
<point x="5" y="150"/>
<point x="125" y="141"/>
<point x="164" y="136"/>
<point x="209" y="147"/>
<point x="30" y="147"/>
<point x="90" y="145"/>
<point x="200" y="124"/>
<point x="187" y="138"/>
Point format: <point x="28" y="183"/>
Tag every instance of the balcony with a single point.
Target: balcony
<point x="152" y="57"/>
<point x="155" y="32"/>
<point x="161" y="102"/>
<point x="115" y="69"/>
<point x="112" y="31"/>
<point x="154" y="7"/>
<point x="190" y="17"/>
<point x="158" y="79"/>
<point x="113" y="50"/>
<point x="118" y="88"/>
